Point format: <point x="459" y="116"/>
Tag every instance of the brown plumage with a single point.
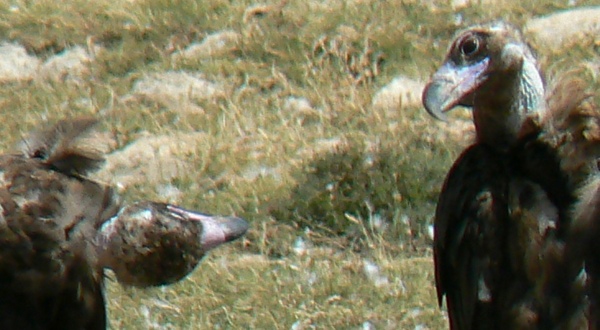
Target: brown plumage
<point x="59" y="230"/>
<point x="572" y="130"/>
<point x="504" y="216"/>
<point x="47" y="274"/>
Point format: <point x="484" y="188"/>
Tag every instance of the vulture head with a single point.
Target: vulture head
<point x="490" y="69"/>
<point x="149" y="243"/>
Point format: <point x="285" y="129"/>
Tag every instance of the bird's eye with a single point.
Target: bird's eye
<point x="469" y="46"/>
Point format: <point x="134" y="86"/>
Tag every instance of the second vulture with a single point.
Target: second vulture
<point x="59" y="230"/>
<point x="519" y="206"/>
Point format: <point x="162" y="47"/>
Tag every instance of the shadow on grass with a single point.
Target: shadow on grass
<point x="357" y="190"/>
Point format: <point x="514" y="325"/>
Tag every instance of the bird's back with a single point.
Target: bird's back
<point x="50" y="213"/>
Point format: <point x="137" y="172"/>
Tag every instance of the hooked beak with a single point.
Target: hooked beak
<point x="451" y="86"/>
<point x="216" y="230"/>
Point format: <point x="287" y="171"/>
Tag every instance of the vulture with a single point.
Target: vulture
<point x="515" y="219"/>
<point x="60" y="231"/>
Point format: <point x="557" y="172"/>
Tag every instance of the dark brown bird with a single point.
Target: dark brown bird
<point x="59" y="230"/>
<point x="503" y="217"/>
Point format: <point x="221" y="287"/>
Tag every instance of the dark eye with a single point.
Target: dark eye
<point x="469" y="46"/>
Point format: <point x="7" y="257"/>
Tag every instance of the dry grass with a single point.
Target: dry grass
<point x="339" y="193"/>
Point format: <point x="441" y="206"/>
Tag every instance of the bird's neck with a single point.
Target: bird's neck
<point x="502" y="105"/>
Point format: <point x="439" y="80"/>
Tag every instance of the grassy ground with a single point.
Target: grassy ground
<point x="340" y="195"/>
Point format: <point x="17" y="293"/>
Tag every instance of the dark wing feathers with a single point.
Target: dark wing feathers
<point x="575" y="134"/>
<point x="584" y="242"/>
<point x="469" y="210"/>
<point x="48" y="275"/>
